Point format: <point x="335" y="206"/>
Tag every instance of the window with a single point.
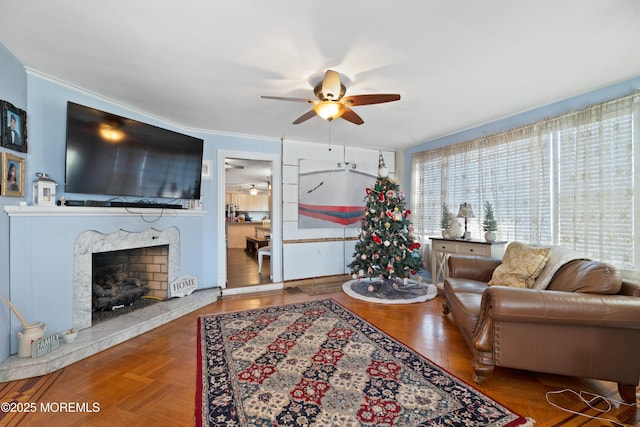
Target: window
<point x="568" y="180"/>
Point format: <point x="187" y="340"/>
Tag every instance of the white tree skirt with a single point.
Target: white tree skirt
<point x="412" y="292"/>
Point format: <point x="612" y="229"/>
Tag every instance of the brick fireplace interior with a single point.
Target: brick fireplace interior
<point x="121" y="277"/>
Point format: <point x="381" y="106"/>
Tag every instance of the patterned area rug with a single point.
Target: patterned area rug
<point x="318" y="364"/>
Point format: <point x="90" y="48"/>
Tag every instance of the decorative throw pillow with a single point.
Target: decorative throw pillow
<point x="521" y="264"/>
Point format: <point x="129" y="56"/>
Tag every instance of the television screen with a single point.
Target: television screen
<point x="111" y="155"/>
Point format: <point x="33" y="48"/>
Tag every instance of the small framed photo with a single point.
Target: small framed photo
<point x="206" y="169"/>
<point x="14" y="127"/>
<point x="12" y="175"/>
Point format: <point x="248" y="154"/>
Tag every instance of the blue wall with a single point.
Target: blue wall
<point x="47" y="129"/>
<point x="45" y="101"/>
<point x="531" y="116"/>
<point x="13" y="88"/>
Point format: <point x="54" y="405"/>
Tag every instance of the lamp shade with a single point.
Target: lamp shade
<point x="465" y="211"/>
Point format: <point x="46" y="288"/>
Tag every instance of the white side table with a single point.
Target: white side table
<point x="441" y="249"/>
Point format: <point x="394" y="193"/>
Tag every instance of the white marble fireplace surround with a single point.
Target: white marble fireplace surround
<point x="90" y="242"/>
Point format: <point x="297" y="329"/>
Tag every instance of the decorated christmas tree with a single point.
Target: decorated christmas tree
<point x="386" y="249"/>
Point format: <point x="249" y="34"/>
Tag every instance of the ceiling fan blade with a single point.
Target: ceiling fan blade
<point x="228" y="165"/>
<point x="331" y="86"/>
<point x="379" y="98"/>
<point x="351" y="116"/>
<point x="303" y="118"/>
<point x="284" y="98"/>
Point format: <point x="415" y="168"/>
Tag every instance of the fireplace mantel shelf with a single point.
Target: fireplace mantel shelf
<point x="97" y="211"/>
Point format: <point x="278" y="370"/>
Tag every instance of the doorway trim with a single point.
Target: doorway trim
<point x="276" y="213"/>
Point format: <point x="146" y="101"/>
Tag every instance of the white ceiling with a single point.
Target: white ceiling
<point x="203" y="64"/>
<point x="241" y="174"/>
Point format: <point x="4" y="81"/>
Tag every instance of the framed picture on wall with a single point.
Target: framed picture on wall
<point x="12" y="175"/>
<point x="14" y="127"/>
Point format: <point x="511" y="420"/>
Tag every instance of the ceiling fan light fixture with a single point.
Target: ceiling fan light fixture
<point x="253" y="190"/>
<point x="329" y="110"/>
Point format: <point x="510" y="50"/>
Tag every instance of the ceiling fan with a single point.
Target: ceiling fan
<point x="228" y="165"/>
<point x="332" y="104"/>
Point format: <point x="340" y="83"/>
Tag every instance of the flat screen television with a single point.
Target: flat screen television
<point x="112" y="155"/>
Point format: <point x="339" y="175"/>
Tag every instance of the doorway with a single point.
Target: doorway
<point x="248" y="215"/>
<point x="250" y="219"/>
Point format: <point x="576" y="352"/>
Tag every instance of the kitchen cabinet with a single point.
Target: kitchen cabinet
<point x="247" y="202"/>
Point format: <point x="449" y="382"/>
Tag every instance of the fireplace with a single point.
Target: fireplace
<point x="148" y="260"/>
<point x="120" y="279"/>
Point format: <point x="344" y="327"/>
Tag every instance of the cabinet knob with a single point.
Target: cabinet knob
<point x="470" y="250"/>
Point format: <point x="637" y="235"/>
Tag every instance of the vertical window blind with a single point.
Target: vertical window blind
<point x="568" y="180"/>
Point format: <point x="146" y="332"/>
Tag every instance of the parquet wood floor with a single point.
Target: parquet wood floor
<point x="151" y="380"/>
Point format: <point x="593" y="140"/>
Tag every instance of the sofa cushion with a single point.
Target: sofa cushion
<point x="464" y="298"/>
<point x="472" y="267"/>
<point x="521" y="264"/>
<point x="593" y="277"/>
<point x="456" y="285"/>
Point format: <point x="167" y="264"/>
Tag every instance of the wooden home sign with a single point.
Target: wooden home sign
<point x="183" y="286"/>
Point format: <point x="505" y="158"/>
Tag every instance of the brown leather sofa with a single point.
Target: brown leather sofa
<point x="577" y="326"/>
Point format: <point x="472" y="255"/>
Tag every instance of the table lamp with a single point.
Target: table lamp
<point x="465" y="212"/>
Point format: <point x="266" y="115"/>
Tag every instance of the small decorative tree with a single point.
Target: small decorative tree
<point x="445" y="220"/>
<point x="489" y="223"/>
